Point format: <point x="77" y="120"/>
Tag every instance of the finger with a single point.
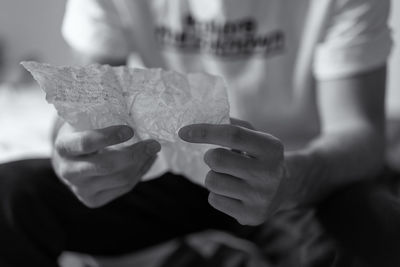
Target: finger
<point x="255" y="143"/>
<point x="86" y="142"/>
<point x="227" y="185"/>
<point x="146" y="166"/>
<point x="112" y="161"/>
<point x="229" y="206"/>
<point x="115" y="160"/>
<point x="241" y="123"/>
<point x="127" y="178"/>
<point x="105" y="197"/>
<point x="98" y="184"/>
<point x="110" y="195"/>
<point x="91" y="190"/>
<point x="229" y="162"/>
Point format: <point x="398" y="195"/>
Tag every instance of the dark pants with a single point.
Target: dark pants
<point x="40" y="218"/>
<point x="365" y="219"/>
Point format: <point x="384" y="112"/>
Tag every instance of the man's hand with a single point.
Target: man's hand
<point x="95" y="172"/>
<point x="245" y="175"/>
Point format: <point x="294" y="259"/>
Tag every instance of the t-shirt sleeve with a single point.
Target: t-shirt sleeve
<point x="94" y="28"/>
<point x="357" y="39"/>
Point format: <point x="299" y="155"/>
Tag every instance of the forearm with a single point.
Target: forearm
<point x="351" y="144"/>
<point x="332" y="161"/>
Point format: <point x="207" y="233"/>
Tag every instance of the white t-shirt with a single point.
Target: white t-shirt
<point x="266" y="50"/>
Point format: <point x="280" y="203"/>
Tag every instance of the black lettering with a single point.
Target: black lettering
<point x="190" y="20"/>
<point x="180" y="38"/>
<point x="250" y="45"/>
<point x="232" y="38"/>
<point x="248" y="25"/>
<point x="230" y="28"/>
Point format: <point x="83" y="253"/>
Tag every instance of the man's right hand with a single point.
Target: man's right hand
<point x="95" y="172"/>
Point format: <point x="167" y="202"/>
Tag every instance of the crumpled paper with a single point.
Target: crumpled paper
<point x="156" y="103"/>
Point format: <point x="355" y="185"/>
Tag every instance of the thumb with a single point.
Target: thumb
<point x="149" y="148"/>
<point x="241" y="123"/>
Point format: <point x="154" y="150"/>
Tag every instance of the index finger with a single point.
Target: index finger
<point x="87" y="142"/>
<point x="235" y="137"/>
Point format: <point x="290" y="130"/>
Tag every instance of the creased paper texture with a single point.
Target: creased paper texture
<point x="154" y="102"/>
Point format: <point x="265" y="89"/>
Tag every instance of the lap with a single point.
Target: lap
<point x="365" y="217"/>
<point x="153" y="212"/>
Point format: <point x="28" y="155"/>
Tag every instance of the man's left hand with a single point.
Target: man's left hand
<point x="246" y="170"/>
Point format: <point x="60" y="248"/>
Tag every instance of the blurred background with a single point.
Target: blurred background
<point x="28" y="30"/>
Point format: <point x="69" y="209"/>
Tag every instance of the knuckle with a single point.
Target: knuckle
<point x="276" y="144"/>
<point x="91" y="199"/>
<point x="233" y="134"/>
<point x="124" y="191"/>
<point x="259" y="218"/>
<point x="210" y="180"/>
<point x="61" y="147"/>
<point x="58" y="145"/>
<point x="253" y="219"/>
<point x="242" y="217"/>
<point x="128" y="187"/>
<point x="212" y="199"/>
<point x="66" y="172"/>
<point x="83" y="193"/>
<point x="91" y="203"/>
<point x="241" y="123"/>
<point x="62" y="171"/>
<point x="215" y="157"/>
<point x="243" y="220"/>
<point x="85" y="197"/>
<point x="248" y="125"/>
<point x="85" y="144"/>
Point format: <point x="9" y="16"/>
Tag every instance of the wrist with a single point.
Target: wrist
<point x="304" y="183"/>
<point x="284" y="198"/>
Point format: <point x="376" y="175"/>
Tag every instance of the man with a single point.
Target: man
<point x="304" y="145"/>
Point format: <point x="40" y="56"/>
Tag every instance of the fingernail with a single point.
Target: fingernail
<point x="184" y="132"/>
<point x="125" y="133"/>
<point x="153" y="147"/>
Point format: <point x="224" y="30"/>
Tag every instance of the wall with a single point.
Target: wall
<point x="33" y="26"/>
